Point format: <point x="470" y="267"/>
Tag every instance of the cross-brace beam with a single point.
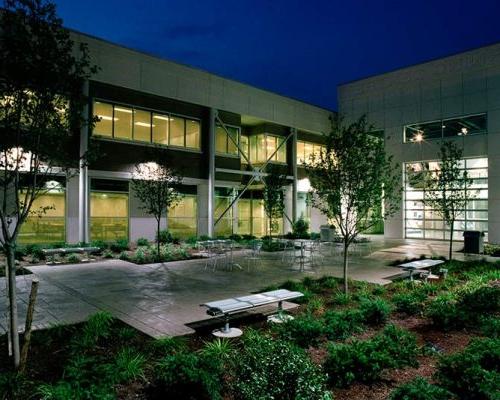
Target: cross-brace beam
<point x="257" y="170"/>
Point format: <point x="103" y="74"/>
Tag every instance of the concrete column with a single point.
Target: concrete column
<point x="211" y="172"/>
<point x="287" y="226"/>
<point x="202" y="209"/>
<point x="83" y="176"/>
<point x="294" y="173"/>
<point x="234" y="210"/>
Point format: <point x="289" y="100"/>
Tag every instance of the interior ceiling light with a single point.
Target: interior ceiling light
<point x="125" y="110"/>
<point x="145" y="124"/>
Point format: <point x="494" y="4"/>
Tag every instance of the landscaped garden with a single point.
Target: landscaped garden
<point x="402" y="341"/>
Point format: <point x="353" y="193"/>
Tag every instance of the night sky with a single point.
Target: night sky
<point x="302" y="49"/>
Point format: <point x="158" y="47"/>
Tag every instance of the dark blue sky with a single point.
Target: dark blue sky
<point x="302" y="49"/>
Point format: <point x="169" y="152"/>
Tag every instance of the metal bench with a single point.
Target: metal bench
<point x="70" y="250"/>
<point x="236" y="305"/>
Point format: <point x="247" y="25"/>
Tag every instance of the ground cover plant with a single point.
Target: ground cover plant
<point x="375" y="343"/>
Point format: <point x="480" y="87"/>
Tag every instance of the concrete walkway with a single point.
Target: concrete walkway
<point x="160" y="299"/>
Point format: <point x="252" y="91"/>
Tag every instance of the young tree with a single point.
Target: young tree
<point x="274" y="195"/>
<point x="42" y="74"/>
<point x="351" y="179"/>
<point x="155" y="185"/>
<point x="447" y="190"/>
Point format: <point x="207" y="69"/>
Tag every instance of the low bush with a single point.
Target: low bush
<point x="276" y="369"/>
<point x="341" y="299"/>
<point x="184" y="376"/>
<point x="142" y="242"/>
<point x="490" y="326"/>
<point x="119" y="246"/>
<point x="107" y="254"/>
<point x="420" y="389"/>
<point x="164" y="236"/>
<point x="445" y="314"/>
<point x="339" y="325"/>
<point x="73" y="259"/>
<point x="492" y="250"/>
<point x="374" y="311"/>
<point x="124" y="256"/>
<point x="12" y="385"/>
<point x="303" y="330"/>
<point x="474" y="373"/>
<point x="364" y="361"/>
<point x="410" y="303"/>
<point x="128" y="366"/>
<point x="97" y="327"/>
<point x="271" y="246"/>
<point x="485" y="299"/>
<point x="35" y="251"/>
<point x="99" y="243"/>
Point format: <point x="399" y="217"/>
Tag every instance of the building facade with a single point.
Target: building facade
<point x="219" y="134"/>
<point x="455" y="98"/>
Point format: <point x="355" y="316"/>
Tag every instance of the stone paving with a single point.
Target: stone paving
<point x="160" y="299"/>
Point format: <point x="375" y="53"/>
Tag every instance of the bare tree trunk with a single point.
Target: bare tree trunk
<point x="158" y="238"/>
<point x="450" y="254"/>
<point x="27" y="328"/>
<point x="13" y="323"/>
<point x="346" y="259"/>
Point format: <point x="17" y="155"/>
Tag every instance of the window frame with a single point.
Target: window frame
<point x="152" y="112"/>
<point x="226" y="153"/>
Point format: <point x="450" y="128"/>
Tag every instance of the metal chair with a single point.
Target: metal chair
<point x="254" y="258"/>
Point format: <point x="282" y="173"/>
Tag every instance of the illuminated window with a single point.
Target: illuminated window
<point x="264" y="146"/>
<point x="223" y="142"/>
<point x="306" y="150"/>
<point x="452" y="127"/>
<point x="423" y="222"/>
<point x="177" y="126"/>
<point x="244" y="143"/>
<point x="103" y="127"/>
<point x="160" y="128"/>
<point x="252" y="218"/>
<point x="223" y="199"/>
<point x="192" y="133"/>
<point x="142" y="125"/>
<point x="182" y="219"/>
<point x="46" y="226"/>
<point x="121" y="122"/>
<point x="109" y="210"/>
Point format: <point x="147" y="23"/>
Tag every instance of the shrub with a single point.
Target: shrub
<point x="411" y="303"/>
<point x="300" y="229"/>
<point x="13" y="385"/>
<point x="444" y="313"/>
<point x="374" y="311"/>
<point x="73" y="259"/>
<point x="164" y="236"/>
<point x="169" y="345"/>
<point x="143" y="256"/>
<point x="341" y="299"/>
<point x="128" y="365"/>
<point x="315" y="305"/>
<point x="219" y="351"/>
<point x="304" y="330"/>
<point x="484" y="299"/>
<point x="339" y="325"/>
<point x="126" y="334"/>
<point x="107" y="254"/>
<point x="35" y="251"/>
<point x="119" y="246"/>
<point x="142" y="242"/>
<point x="492" y="250"/>
<point x="124" y="256"/>
<point x="98" y="326"/>
<point x="474" y="373"/>
<point x="490" y="326"/>
<point x="419" y="389"/>
<point x="99" y="243"/>
<point x="276" y="369"/>
<point x="364" y="361"/>
<point x="184" y="376"/>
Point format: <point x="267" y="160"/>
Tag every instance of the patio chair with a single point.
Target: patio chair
<point x="288" y="255"/>
<point x="254" y="257"/>
<point x="313" y="253"/>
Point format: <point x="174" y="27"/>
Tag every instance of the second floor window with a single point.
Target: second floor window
<point x="127" y="123"/>
<point x="225" y="142"/>
<point x="305" y="150"/>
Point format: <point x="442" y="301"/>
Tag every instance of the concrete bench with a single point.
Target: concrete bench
<point x="235" y="305"/>
<point x="70" y="250"/>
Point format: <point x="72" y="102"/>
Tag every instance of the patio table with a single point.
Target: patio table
<point x="413" y="266"/>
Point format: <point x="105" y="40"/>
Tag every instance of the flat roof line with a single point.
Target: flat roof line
<point x="430" y="60"/>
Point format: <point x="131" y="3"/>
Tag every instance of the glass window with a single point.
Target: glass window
<point x="104" y="111"/>
<point x="160" y="128"/>
<point x="48" y="226"/>
<point x="244" y="143"/>
<point x="281" y="155"/>
<point x="123" y="122"/>
<point x="108" y="215"/>
<point x="142" y="125"/>
<point x="300" y="152"/>
<point x="177" y="131"/>
<point x="253" y="149"/>
<point x="233" y="134"/>
<point x="452" y="127"/>
<point x="220" y="140"/>
<point x="182" y="218"/>
<point x="244" y="217"/>
<point x="428" y="224"/>
<point x="222" y="201"/>
<point x="271" y="147"/>
<point x="193" y="134"/>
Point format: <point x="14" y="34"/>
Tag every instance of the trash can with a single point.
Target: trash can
<point x="473" y="242"/>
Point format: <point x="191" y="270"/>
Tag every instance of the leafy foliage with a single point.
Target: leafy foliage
<point x="374" y="311"/>
<point x="339" y="325"/>
<point x="419" y="389"/>
<point x="411" y="303"/>
<point x="274" y="195"/>
<point x="474" y="373"/>
<point x="304" y="330"/>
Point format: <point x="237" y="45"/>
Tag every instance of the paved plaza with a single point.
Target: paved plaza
<point x="160" y="299"/>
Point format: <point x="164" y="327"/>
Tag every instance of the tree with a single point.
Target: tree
<point x="351" y="179"/>
<point x="42" y="74"/>
<point x="274" y="195"/>
<point x="155" y="185"/>
<point x="447" y="189"/>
